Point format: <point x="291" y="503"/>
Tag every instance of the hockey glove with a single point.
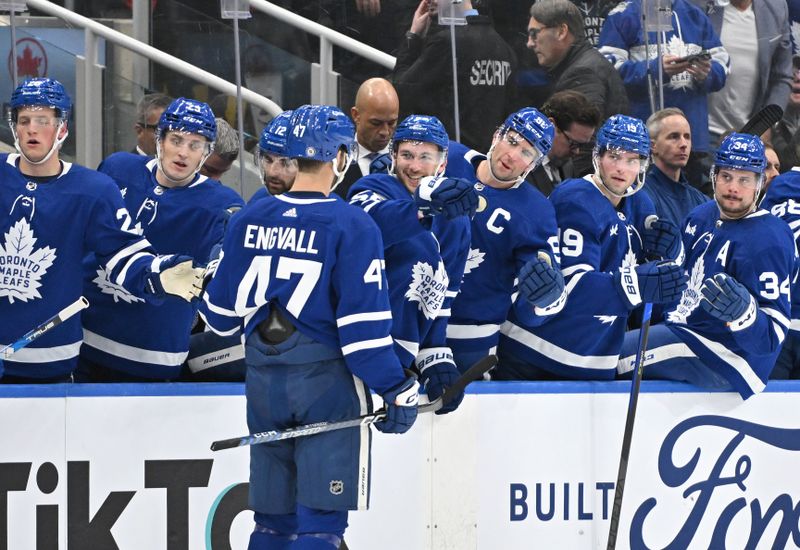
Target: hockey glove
<point x="437" y="372"/>
<point x="728" y="300"/>
<point x="452" y="197"/>
<point x="401" y="407"/>
<point x="662" y="239"/>
<point x="381" y="164"/>
<point x="653" y="282"/>
<point x="539" y="283"/>
<point x="175" y="275"/>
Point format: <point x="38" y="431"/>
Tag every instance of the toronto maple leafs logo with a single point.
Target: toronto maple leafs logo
<point x="427" y="288"/>
<point x="606" y="319"/>
<point x="117" y="292"/>
<point x="619" y="8"/>
<point x="691" y="229"/>
<point x="21" y="264"/>
<point x="474" y="259"/>
<point x="690" y="298"/>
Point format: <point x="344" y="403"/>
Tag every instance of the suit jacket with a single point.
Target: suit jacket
<point x="774" y="48"/>
<point x="352" y="175"/>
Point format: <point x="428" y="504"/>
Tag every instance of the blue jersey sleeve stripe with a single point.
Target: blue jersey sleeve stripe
<point x="130" y="250"/>
<point x="556" y="353"/>
<point x="132" y="353"/>
<point x="567" y="271"/>
<point x="212" y="323"/>
<point x="218" y="310"/>
<point x="462" y="332"/>
<point x="410" y="347"/>
<point x="363" y="317"/>
<point x="367" y="344"/>
<point x="777" y="316"/>
<point x="120" y="279"/>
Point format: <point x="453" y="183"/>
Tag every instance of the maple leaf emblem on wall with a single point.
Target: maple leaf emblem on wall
<point x="27" y="63"/>
<point x="428" y="287"/>
<point x="474" y="259"/>
<point x="21" y="265"/>
<point x="117" y="292"/>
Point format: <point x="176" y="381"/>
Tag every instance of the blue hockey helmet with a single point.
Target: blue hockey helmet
<point x="188" y="115"/>
<point x="273" y="138"/>
<point x="424" y="128"/>
<point x="741" y="152"/>
<point x="43" y="92"/>
<point x="533" y="126"/>
<point x="317" y="132"/>
<point x="625" y="133"/>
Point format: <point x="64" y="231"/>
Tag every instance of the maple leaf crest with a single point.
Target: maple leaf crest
<point x="606" y="319"/>
<point x="428" y="287"/>
<point x="117" y="292"/>
<point x="474" y="259"/>
<point x="690" y="298"/>
<point x="27" y="64"/>
<point x="21" y="265"/>
<point x="619" y="8"/>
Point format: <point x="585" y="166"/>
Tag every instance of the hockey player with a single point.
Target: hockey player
<point x="277" y="170"/>
<point x="604" y="241"/>
<point x="425" y="226"/>
<point x="55" y="212"/>
<point x="514" y="236"/>
<point x="178" y="210"/>
<point x="726" y="330"/>
<point x="302" y="277"/>
<point x="782" y="199"/>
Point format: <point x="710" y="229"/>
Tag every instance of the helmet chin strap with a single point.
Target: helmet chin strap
<point x="56" y="145"/>
<point x="164" y="172"/>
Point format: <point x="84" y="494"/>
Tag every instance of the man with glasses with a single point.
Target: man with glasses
<point x="556" y="35"/>
<point x="54" y="214"/>
<point x="513" y="251"/>
<point x="726" y="330"/>
<point x="605" y="240"/>
<point x="666" y="183"/>
<point x="575" y="120"/>
<point x="178" y="210"/>
<point x="148" y="111"/>
<point x="425" y="225"/>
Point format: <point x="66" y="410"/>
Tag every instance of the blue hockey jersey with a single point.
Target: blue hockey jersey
<point x="759" y="252"/>
<point x="320" y="261"/>
<point x="508" y="230"/>
<point x="47" y="229"/>
<point x="121" y="331"/>
<point x="424" y="267"/>
<point x="622" y="42"/>
<point x="783" y="200"/>
<point x="596" y="240"/>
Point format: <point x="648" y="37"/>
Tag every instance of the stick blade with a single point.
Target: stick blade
<point x="762" y="120"/>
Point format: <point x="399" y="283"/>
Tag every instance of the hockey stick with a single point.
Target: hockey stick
<point x="55" y="320"/>
<point x="628" y="436"/>
<point x="475" y="372"/>
<point x="762" y="120"/>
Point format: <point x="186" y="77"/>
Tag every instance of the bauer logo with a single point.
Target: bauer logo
<point x="718" y="465"/>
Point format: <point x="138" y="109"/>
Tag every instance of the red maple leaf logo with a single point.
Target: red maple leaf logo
<point x="27" y="64"/>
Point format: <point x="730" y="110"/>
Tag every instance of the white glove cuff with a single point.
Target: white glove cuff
<point x="429" y="357"/>
<point x="629" y="281"/>
<point x="747" y="318"/>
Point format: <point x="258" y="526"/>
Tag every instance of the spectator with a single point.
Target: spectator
<point x="785" y="135"/>
<point x="686" y="85"/>
<point x="556" y="35"/>
<point x="178" y="210"/>
<point x="148" y="111"/>
<point x="773" y="168"/>
<point x="226" y="150"/>
<point x="603" y="237"/>
<point x="423" y="74"/>
<point x="375" y="115"/>
<point x="575" y="121"/>
<point x="514" y="237"/>
<point x="755" y="33"/>
<point x="666" y="184"/>
<point x="62" y="212"/>
<point x="726" y="330"/>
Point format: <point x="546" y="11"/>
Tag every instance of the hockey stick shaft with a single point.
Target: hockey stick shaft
<point x="54" y="321"/>
<point x="475" y="372"/>
<point x="762" y="120"/>
<point x="627" y="438"/>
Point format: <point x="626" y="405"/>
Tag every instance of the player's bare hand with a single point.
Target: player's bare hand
<point x="422" y="19"/>
<point x="672" y="64"/>
<point x="370" y="8"/>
